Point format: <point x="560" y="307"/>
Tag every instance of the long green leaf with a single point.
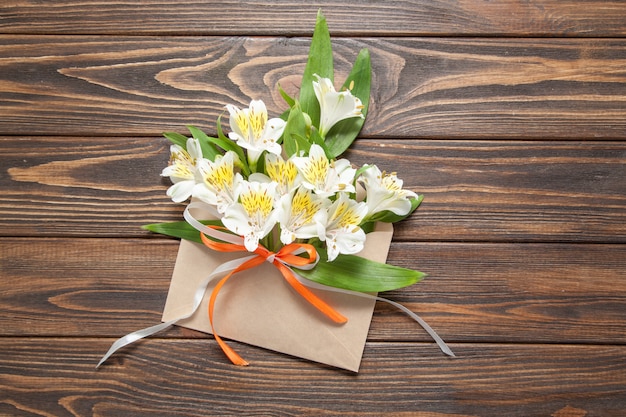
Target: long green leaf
<point x="288" y="99"/>
<point x="345" y="132"/>
<point x="182" y="229"/>
<point x="177" y="139"/>
<point x="320" y="62"/>
<point x="293" y="141"/>
<point x="226" y="143"/>
<point x="359" y="274"/>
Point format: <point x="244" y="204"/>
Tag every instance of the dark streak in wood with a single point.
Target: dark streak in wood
<point x="292" y="18"/>
<point x="189" y="378"/>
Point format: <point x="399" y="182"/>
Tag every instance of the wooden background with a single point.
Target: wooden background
<point x="509" y="116"/>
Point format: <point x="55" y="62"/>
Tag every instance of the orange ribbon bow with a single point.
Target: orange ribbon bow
<point x="287" y="256"/>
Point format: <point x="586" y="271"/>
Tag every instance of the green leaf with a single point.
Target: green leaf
<point x="209" y="150"/>
<point x="345" y="132"/>
<point x="320" y="62"/>
<point x="288" y="99"/>
<point x="359" y="274"/>
<point x="294" y="135"/>
<point x="182" y="229"/>
<point x="318" y="140"/>
<point x="224" y="142"/>
<point x="227" y="144"/>
<point x="177" y="139"/>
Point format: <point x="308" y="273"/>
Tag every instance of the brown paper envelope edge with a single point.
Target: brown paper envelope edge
<point x="259" y="308"/>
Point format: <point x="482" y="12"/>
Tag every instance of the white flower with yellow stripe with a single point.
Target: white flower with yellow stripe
<point x="218" y="181"/>
<point x="296" y="214"/>
<point x="335" y="106"/>
<point x="283" y="172"/>
<point x="183" y="170"/>
<point x="384" y="192"/>
<point x="325" y="177"/>
<point x="339" y="226"/>
<point x="252" y="130"/>
<point x="253" y="214"/>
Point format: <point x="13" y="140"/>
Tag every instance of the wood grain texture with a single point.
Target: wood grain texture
<point x="453" y="88"/>
<point x="475" y="292"/>
<point x="474" y="190"/>
<point x="291" y="18"/>
<point x="189" y="378"/>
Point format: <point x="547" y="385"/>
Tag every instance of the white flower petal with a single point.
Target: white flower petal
<point x="219" y="181"/>
<point x="236" y="220"/>
<point x="384" y="192"/>
<point x="334" y="106"/>
<point x="345" y="241"/>
<point x="340" y="227"/>
<point x="181" y="191"/>
<point x="253" y="215"/>
<point x="324" y="176"/>
<point x="296" y="213"/>
<point x="193" y="148"/>
<point x="253" y="131"/>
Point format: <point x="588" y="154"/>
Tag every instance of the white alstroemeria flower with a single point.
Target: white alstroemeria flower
<point x="324" y="176"/>
<point x="339" y="226"/>
<point x="285" y="173"/>
<point x="296" y="214"/>
<point x="219" y="181"/>
<point x="384" y="192"/>
<point x="334" y="106"/>
<point x="253" y="131"/>
<point x="253" y="215"/>
<point x="183" y="170"/>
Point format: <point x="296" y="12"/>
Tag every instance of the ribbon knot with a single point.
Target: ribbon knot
<point x="288" y="256"/>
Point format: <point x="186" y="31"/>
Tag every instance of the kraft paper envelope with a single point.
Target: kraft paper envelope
<point x="258" y="306"/>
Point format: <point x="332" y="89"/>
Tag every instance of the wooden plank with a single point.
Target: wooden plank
<point x="188" y="377"/>
<point x="289" y="18"/>
<point x="552" y="293"/>
<point x="460" y="88"/>
<point x="474" y="191"/>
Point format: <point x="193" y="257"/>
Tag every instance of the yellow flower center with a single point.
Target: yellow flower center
<point x="345" y="216"/>
<point x="282" y="172"/>
<point x="257" y="123"/>
<point x="257" y="203"/>
<point x="183" y="164"/>
<point x="316" y="170"/>
<point x="242" y="121"/>
<point x="220" y="178"/>
<point x="390" y="181"/>
<point x="303" y="208"/>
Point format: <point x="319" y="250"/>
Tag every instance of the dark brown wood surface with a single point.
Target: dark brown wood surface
<point x="510" y="117"/>
<point x="574" y="18"/>
<point x="446" y="88"/>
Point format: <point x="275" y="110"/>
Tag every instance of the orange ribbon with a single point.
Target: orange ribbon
<point x="287" y="256"/>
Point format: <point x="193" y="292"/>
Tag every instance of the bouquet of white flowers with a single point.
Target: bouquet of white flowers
<point x="277" y="188"/>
